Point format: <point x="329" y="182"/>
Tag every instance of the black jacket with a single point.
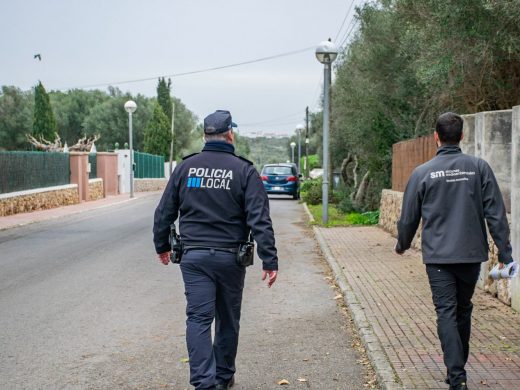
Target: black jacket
<point x="454" y="193"/>
<point x="220" y="198"/>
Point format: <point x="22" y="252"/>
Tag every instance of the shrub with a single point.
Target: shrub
<point x="345" y="203"/>
<point x="368" y="218"/>
<point x="306" y="184"/>
<point x="311" y="191"/>
<point x="314" y="162"/>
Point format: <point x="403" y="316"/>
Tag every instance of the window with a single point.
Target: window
<point x="275" y="170"/>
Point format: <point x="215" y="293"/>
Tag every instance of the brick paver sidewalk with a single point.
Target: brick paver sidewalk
<point x="396" y="300"/>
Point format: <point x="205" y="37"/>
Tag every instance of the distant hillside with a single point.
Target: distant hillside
<point x="265" y="150"/>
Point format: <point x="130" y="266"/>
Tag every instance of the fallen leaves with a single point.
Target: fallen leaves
<point x="284" y="382"/>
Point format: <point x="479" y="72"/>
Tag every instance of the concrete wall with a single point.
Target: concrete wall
<point x="123" y="170"/>
<point x="167" y="168"/>
<point x="468" y="142"/>
<point x="39" y="199"/>
<point x="493" y="144"/>
<point x="515" y="202"/>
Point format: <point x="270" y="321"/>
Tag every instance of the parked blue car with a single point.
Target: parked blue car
<point x="281" y="179"/>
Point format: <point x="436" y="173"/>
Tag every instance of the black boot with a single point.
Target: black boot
<point x="225" y="386"/>
<point x="460" y="386"/>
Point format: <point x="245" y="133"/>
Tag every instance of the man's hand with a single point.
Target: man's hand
<point x="272" y="277"/>
<point x="398" y="251"/>
<point x="164" y="257"/>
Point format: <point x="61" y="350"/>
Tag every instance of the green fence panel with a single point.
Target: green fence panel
<point x="21" y="171"/>
<point x="148" y="166"/>
<point x="92" y="159"/>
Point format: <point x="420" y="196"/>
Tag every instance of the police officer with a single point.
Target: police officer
<point x="455" y="195"/>
<point x="219" y="199"/>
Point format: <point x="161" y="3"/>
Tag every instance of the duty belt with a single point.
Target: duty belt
<point x="229" y="250"/>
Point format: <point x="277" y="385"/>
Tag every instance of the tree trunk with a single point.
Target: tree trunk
<point x="361" y="191"/>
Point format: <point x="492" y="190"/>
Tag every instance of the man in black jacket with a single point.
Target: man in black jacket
<point x="220" y="199"/>
<point x="455" y="195"/>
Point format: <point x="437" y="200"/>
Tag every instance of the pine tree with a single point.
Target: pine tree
<point x="157" y="135"/>
<point x="164" y="98"/>
<point x="44" y="124"/>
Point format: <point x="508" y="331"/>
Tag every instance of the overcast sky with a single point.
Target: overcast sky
<point x="94" y="42"/>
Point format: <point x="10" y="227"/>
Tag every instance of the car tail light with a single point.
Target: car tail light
<point x="264" y="178"/>
<point x="292" y="178"/>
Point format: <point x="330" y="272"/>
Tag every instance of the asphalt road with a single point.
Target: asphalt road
<point x="84" y="304"/>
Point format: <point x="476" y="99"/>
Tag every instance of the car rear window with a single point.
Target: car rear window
<point x="277" y="171"/>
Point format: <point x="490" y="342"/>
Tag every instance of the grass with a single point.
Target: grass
<point x="337" y="218"/>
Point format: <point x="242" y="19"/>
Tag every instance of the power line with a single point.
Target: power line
<point x="344" y="41"/>
<point x="344" y="20"/>
<point x="290" y="53"/>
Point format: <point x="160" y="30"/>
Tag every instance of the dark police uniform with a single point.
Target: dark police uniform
<point x="220" y="198"/>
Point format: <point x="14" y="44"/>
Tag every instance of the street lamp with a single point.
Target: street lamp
<point x="130" y="107"/>
<point x="326" y="53"/>
<point x="293" y="144"/>
<point x="299" y="129"/>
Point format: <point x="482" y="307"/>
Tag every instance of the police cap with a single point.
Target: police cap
<point x="218" y="122"/>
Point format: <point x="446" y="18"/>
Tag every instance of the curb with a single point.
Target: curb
<point x="53" y="217"/>
<point x="386" y="375"/>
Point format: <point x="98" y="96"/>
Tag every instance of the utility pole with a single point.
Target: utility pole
<point x="173" y="140"/>
<point x="306" y="160"/>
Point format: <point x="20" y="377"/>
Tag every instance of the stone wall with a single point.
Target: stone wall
<point x="144" y="185"/>
<point x="40" y="199"/>
<point x="390" y="211"/>
<point x="95" y="189"/>
<point x="500" y="289"/>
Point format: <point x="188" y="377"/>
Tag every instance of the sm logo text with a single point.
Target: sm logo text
<point x="436" y="175"/>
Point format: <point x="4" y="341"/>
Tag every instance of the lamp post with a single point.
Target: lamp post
<point x="130" y="107"/>
<point x="326" y="53"/>
<point x="299" y="129"/>
<point x="293" y="144"/>
<point x="306" y="164"/>
<point x="173" y="139"/>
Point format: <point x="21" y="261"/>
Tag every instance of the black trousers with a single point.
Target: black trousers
<point x="452" y="288"/>
<point x="214" y="282"/>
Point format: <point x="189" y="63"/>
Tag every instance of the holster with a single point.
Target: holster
<point x="246" y="253"/>
<point x="176" y="245"/>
